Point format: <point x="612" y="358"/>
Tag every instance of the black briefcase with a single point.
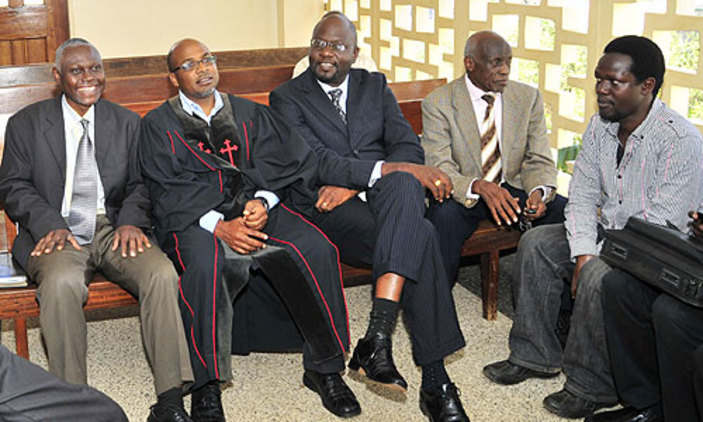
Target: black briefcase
<point x="662" y="257"/>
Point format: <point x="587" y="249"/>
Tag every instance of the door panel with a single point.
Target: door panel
<point x="30" y="33"/>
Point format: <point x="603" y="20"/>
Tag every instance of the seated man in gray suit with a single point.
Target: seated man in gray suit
<point x="639" y="158"/>
<point x="352" y="121"/>
<point x="70" y="178"/>
<point x="488" y="135"/>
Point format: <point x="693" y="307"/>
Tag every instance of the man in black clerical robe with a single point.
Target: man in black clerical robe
<point x="230" y="184"/>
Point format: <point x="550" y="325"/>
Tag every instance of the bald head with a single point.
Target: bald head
<point x="487" y="58"/>
<point x="344" y="21"/>
<point x="178" y="47"/>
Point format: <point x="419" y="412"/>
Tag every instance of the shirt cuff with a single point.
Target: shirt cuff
<point x="547" y="190"/>
<point x="470" y="194"/>
<point x="269" y="196"/>
<point x="210" y="219"/>
<point x="376" y="172"/>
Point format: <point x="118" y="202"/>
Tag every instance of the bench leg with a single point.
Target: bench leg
<point x="21" y="343"/>
<point x="489" y="284"/>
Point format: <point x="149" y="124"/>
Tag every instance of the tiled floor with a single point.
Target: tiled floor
<point x="268" y="386"/>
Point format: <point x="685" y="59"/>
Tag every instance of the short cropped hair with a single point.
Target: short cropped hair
<point x="647" y="58"/>
<point x="73" y="42"/>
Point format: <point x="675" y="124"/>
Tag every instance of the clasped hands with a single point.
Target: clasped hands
<point x="131" y="241"/>
<point x="243" y="234"/>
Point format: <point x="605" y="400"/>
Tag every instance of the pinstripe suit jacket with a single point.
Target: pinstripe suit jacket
<point x="376" y="127"/>
<point x="452" y="140"/>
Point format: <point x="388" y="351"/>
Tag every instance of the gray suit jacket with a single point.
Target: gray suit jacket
<point x="452" y="140"/>
<point x="33" y="170"/>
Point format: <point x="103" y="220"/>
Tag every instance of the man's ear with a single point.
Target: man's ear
<point x="57" y="75"/>
<point x="648" y="85"/>
<point x="356" y="54"/>
<point x="469" y="64"/>
<point x="174" y="81"/>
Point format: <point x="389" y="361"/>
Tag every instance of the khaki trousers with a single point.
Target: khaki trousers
<point x="63" y="278"/>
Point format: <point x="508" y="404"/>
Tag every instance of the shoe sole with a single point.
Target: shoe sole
<point x="493" y="378"/>
<point x="576" y="415"/>
<point x="311" y="385"/>
<point x="389" y="386"/>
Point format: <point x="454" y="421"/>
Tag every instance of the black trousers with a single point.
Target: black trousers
<point x="651" y="339"/>
<point x="390" y="233"/>
<point x="212" y="274"/>
<point x="455" y="223"/>
<point x="29" y="393"/>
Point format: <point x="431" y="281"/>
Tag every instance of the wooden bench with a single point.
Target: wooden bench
<point x="141" y="93"/>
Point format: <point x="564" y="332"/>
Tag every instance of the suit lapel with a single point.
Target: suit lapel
<point x="55" y="136"/>
<point x="321" y="102"/>
<point x="104" y="126"/>
<point x="508" y="130"/>
<point x="354" y="89"/>
<point x="466" y="119"/>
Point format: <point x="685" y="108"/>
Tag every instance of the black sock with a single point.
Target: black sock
<point x="434" y="375"/>
<point x="173" y="397"/>
<point x="384" y="313"/>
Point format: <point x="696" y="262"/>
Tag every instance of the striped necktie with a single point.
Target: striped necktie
<point x="490" y="151"/>
<point x="335" y="95"/>
<point x="84" y="200"/>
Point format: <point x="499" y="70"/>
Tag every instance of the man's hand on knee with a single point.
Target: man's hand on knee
<point x="131" y="240"/>
<point x="55" y="239"/>
<point x="240" y="237"/>
<point x="330" y="197"/>
<point x="432" y="178"/>
<point x="503" y="206"/>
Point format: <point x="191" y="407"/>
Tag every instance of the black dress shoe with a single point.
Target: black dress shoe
<point x="568" y="405"/>
<point x="508" y="373"/>
<point x="206" y="404"/>
<point x="629" y="414"/>
<point x="334" y="392"/>
<point x="443" y="404"/>
<point x="168" y="413"/>
<point x="373" y="357"/>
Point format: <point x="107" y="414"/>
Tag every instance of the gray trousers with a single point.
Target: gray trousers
<point x="63" y="278"/>
<point x="30" y="394"/>
<point x="542" y="267"/>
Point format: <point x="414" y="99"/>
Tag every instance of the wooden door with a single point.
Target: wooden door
<point x="30" y="33"/>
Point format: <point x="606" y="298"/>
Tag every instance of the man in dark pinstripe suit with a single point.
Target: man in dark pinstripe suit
<point x="371" y="204"/>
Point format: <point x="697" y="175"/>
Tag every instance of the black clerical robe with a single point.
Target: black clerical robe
<point x="190" y="168"/>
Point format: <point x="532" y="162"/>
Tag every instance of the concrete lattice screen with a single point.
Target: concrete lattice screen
<point x="556" y="45"/>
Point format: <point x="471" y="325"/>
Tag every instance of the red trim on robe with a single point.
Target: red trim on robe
<point x="339" y="265"/>
<point x="192" y="314"/>
<point x="329" y="313"/>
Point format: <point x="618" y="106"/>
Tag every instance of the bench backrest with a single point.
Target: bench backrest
<point x="142" y="93"/>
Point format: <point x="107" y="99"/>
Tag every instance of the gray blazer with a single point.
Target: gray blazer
<point x="452" y="140"/>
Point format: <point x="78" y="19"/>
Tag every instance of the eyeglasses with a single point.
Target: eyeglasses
<point x="192" y="64"/>
<point x="322" y="44"/>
